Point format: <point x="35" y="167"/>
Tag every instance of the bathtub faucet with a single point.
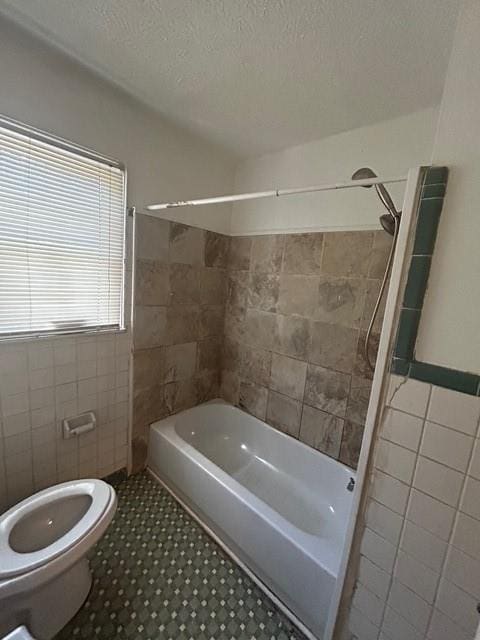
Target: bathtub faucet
<point x="351" y="485"/>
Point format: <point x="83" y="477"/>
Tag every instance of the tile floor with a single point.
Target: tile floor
<point x="158" y="575"/>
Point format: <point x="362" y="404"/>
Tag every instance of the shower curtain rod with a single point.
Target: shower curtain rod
<point x="275" y="193"/>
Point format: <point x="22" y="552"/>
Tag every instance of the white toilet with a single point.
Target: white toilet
<point x="44" y="572"/>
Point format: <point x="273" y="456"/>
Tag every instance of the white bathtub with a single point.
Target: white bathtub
<point x="280" y="506"/>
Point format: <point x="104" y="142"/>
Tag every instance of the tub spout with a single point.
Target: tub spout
<point x="351" y="485"/>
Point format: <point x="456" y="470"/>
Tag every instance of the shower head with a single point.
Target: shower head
<point x="364" y="174"/>
<point x="388" y="221"/>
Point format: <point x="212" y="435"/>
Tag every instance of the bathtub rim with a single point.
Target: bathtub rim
<point x="287" y="528"/>
<point x="284" y="436"/>
<point x="260" y="584"/>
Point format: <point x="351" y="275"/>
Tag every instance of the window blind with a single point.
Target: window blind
<point x="62" y="221"/>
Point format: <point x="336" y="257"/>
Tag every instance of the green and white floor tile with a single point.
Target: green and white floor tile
<point x="158" y="575"/>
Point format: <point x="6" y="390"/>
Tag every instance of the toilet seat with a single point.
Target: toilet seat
<point x="15" y="563"/>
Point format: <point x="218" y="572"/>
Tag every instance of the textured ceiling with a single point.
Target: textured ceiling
<point x="258" y="75"/>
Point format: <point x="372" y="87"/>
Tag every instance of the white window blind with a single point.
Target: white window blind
<point x="62" y="221"/>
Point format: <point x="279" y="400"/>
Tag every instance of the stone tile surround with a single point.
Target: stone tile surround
<point x="180" y="288"/>
<point x="297" y="310"/>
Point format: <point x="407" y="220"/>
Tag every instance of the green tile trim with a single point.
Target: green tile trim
<point x="403" y="361"/>
<point x="427" y="226"/>
<point x="433" y="191"/>
<point x="400" y="366"/>
<point x="436" y="175"/>
<point x="443" y="377"/>
<point x="407" y="333"/>
<point x="417" y="282"/>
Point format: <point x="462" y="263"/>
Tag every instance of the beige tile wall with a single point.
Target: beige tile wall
<point x="419" y="565"/>
<point x="180" y="284"/>
<point x="43" y="381"/>
<point x="297" y="310"/>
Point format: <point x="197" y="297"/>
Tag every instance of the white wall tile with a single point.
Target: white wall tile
<point x="442" y="628"/>
<point x="40" y="398"/>
<point x="423" y="546"/>
<point x="410" y="606"/>
<point x="384" y="521"/>
<point x="65" y="410"/>
<point x="458" y="605"/>
<point x="446" y="446"/>
<point x="16" y="424"/>
<point x="466" y="535"/>
<point x="395" y="627"/>
<point x="375" y="579"/>
<point x="361" y="627"/>
<point x="453" y="409"/>
<point x="40" y="356"/>
<point x="88" y="468"/>
<point x="13" y="358"/>
<point x="12" y="405"/>
<point x="18" y="462"/>
<point x="12" y="383"/>
<point x="408" y="395"/>
<point x="463" y="571"/>
<point x="42" y="435"/>
<point x="402" y="428"/>
<point x="18" y="443"/>
<point x="369" y="604"/>
<point x="87" y="387"/>
<point x="389" y="491"/>
<point x="19" y="485"/>
<point x="88" y="452"/>
<point x="416" y="576"/>
<point x="475" y="463"/>
<point x="64" y="352"/>
<point x="431" y="514"/>
<point x="86" y="369"/>
<point x="441" y="530"/>
<point x="378" y="550"/>
<point x="470" y="502"/>
<point x="44" y="482"/>
<point x="41" y="378"/>
<point x="121" y="456"/>
<point x="87" y="403"/>
<point x="86" y="349"/>
<point x="41" y="417"/>
<point x="65" y="373"/>
<point x="395" y="460"/>
<point x="438" y="481"/>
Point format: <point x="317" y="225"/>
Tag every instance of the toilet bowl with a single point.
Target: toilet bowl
<point x="44" y="572"/>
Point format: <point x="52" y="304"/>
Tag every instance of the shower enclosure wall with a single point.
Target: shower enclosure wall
<point x="274" y="324"/>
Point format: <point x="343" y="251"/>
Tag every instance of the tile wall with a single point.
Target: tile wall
<point x="297" y="311"/>
<point x="419" y="566"/>
<point x="43" y="381"/>
<point x="180" y="285"/>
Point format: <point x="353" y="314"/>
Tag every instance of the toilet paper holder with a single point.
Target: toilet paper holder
<point x="78" y="425"/>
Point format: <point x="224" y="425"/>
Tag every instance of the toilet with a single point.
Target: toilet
<point x="44" y="572"/>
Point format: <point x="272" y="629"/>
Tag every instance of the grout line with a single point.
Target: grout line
<point x="402" y="529"/>
<point x="451" y="536"/>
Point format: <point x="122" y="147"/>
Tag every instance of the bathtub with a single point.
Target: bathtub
<point x="279" y="506"/>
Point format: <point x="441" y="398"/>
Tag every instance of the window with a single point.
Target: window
<point x="62" y="224"/>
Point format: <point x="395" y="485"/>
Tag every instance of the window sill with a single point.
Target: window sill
<point x="62" y="334"/>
